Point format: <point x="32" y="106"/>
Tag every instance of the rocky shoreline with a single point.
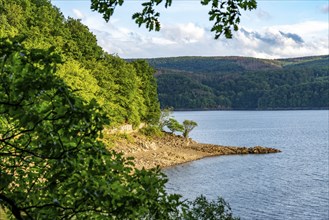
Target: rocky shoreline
<point x="171" y="150"/>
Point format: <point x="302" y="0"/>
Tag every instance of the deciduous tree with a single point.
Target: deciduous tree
<point x="188" y="127"/>
<point x="52" y="164"/>
<point x="174" y="126"/>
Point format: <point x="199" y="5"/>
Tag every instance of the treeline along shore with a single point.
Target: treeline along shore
<point x="59" y="90"/>
<point x="170" y="150"/>
<point x="242" y="83"/>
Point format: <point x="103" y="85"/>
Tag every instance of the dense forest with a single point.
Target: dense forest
<point x="126" y="91"/>
<point x="58" y="92"/>
<point x="242" y="82"/>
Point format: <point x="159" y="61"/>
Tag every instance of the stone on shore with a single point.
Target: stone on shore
<point x="171" y="150"/>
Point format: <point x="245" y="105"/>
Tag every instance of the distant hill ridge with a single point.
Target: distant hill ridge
<point x="242" y="82"/>
<point x="217" y="63"/>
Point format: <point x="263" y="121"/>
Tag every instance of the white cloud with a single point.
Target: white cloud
<point x="189" y="39"/>
<point x="186" y="33"/>
<point x="162" y="41"/>
<point x="276" y="29"/>
<point x="306" y="29"/>
<point x="272" y="43"/>
<point x="78" y="13"/>
<point x="262" y="14"/>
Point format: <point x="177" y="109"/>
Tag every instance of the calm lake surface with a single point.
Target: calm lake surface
<point x="293" y="184"/>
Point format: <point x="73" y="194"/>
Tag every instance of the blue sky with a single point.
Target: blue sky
<point x="276" y="29"/>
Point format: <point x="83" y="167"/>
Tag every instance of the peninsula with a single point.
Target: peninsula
<point x="171" y="149"/>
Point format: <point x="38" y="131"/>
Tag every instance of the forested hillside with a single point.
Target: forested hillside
<point x="242" y="83"/>
<point x="58" y="90"/>
<point x="126" y="91"/>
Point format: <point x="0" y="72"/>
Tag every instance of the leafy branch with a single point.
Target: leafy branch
<point x="224" y="13"/>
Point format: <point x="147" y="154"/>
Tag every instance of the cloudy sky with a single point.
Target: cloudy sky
<point x="277" y="29"/>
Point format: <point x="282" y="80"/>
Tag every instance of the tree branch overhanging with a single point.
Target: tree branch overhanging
<point x="224" y="13"/>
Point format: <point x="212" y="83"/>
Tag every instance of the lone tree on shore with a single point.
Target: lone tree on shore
<point x="53" y="164"/>
<point x="188" y="127"/>
<point x="173" y="125"/>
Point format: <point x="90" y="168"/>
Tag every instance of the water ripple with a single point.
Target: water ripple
<point x="289" y="185"/>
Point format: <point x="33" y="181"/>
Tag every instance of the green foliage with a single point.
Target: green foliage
<point x="183" y="92"/>
<point x="225" y="14"/>
<point x="242" y="83"/>
<point x="52" y="164"/>
<point x="105" y="7"/>
<point x="201" y="208"/>
<point x="58" y="90"/>
<point x="148" y="89"/>
<point x="151" y="131"/>
<point x="188" y="126"/>
<point x="10" y="23"/>
<point x="79" y="80"/>
<point x="110" y="139"/>
<point x="200" y="64"/>
<point x="314" y="94"/>
<point x="174" y="126"/>
<point x="81" y="44"/>
<point x="127" y="92"/>
<point x="148" y="16"/>
<point x="3" y="215"/>
<point x="167" y="121"/>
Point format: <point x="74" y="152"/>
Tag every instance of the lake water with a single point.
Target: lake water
<point x="293" y="184"/>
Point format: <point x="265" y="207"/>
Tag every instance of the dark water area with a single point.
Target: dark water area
<point x="293" y="184"/>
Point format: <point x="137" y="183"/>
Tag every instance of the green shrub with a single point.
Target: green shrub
<point x="188" y="127"/>
<point x="201" y="208"/>
<point x="151" y="131"/>
<point x="174" y="126"/>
